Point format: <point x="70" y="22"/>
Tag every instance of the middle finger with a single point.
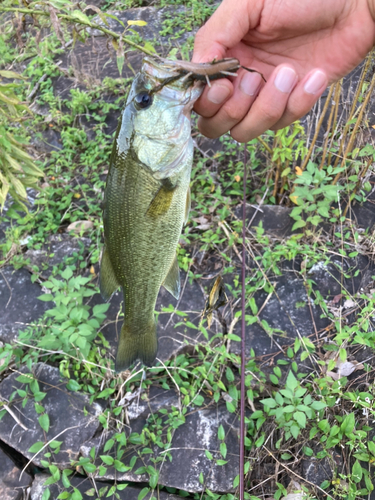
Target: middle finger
<point x="246" y="87"/>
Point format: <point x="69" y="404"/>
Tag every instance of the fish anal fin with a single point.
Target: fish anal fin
<point x="172" y="280"/>
<point x="108" y="283"/>
<point x="187" y="206"/>
<point x="162" y="200"/>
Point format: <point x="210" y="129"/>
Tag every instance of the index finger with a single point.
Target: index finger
<point x="225" y="29"/>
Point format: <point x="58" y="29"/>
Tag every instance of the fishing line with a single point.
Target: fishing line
<point x="242" y="408"/>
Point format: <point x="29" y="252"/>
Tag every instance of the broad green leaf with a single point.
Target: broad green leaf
<point x="36" y="447"/>
<point x="223" y="450"/>
<point x="300" y="417"/>
<point x="46" y="494"/>
<point x="46" y="297"/>
<point x="221" y="462"/>
<point x="348" y="424"/>
<point x="73" y="385"/>
<point x="357" y="472"/>
<point x="11" y="74"/>
<point x="81" y="16"/>
<point x="66" y="494"/>
<point x="44" y="422"/>
<point x="25" y="379"/>
<point x="259" y="442"/>
<point x="89" y="468"/>
<point x="76" y="495"/>
<point x="148" y="46"/>
<point x="300" y="223"/>
<point x="221" y="433"/>
<point x="143" y="493"/>
<point x="291" y="381"/>
<point x="232" y="336"/>
<point x="318" y="405"/>
<point x="270" y="402"/>
<point x="199" y="400"/>
<point x="67" y="273"/>
<point x="295" y="430"/>
<point x="371" y="447"/>
<point x="137" y="23"/>
<point x="120" y="467"/>
<point x="108" y="445"/>
<point x="107" y="459"/>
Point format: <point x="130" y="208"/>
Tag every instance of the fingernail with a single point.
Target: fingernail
<point x="218" y="93"/>
<point x="285" y="79"/>
<point x="316" y="81"/>
<point x="250" y="83"/>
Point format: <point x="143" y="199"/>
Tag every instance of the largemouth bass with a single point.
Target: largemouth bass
<point x="146" y="203"/>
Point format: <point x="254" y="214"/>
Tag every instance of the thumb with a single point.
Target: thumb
<point x="225" y="29"/>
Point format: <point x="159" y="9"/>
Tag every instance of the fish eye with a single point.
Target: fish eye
<point x="143" y="100"/>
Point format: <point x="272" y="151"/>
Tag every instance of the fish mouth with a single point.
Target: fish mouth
<point x="177" y="93"/>
<point x="159" y="71"/>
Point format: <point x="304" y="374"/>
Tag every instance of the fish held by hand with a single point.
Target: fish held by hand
<point x="146" y="202"/>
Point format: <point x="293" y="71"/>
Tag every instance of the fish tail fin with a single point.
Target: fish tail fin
<point x="133" y="346"/>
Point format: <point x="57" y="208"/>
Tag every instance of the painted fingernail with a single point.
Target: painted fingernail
<point x="285" y="79"/>
<point x="250" y="83"/>
<point x="218" y="93"/>
<point x="315" y="83"/>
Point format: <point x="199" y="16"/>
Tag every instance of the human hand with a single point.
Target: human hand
<point x="299" y="46"/>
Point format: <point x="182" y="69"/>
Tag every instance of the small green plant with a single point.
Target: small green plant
<point x="292" y="407"/>
<point x="314" y="194"/>
<point x="71" y="326"/>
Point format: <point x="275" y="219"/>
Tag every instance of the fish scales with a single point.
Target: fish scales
<point x="128" y="226"/>
<point x="145" y="205"/>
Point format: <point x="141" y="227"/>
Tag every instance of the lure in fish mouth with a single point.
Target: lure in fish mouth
<point x="146" y="203"/>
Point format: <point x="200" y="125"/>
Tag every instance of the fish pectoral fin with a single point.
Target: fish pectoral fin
<point x="162" y="199"/>
<point x="172" y="280"/>
<point x="108" y="283"/>
<point x="187" y="206"/>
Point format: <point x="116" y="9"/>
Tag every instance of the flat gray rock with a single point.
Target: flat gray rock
<point x="85" y="485"/>
<point x="276" y="219"/>
<point x="19" y="304"/>
<point x="188" y="448"/>
<point x="174" y="335"/>
<point x="11" y="486"/>
<point x="73" y="420"/>
<point x="286" y="315"/>
<point x="54" y="251"/>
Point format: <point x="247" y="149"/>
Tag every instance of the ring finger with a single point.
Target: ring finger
<point x="269" y="106"/>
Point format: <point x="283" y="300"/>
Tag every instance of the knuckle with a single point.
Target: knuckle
<point x="270" y="115"/>
<point x="208" y="130"/>
<point x="239" y="136"/>
<point x="234" y="114"/>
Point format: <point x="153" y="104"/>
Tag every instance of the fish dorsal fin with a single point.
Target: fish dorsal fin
<point x="187" y="206"/>
<point x="161" y="202"/>
<point x="108" y="283"/>
<point x="172" y="280"/>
